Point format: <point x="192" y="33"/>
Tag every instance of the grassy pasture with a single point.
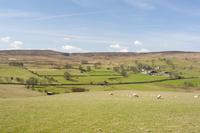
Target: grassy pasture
<point x="184" y="83"/>
<point x="13" y="91"/>
<point x="47" y="71"/>
<point x="10" y="71"/>
<point x="95" y="112"/>
<point x="93" y="88"/>
<point x="110" y="79"/>
<point x="27" y="111"/>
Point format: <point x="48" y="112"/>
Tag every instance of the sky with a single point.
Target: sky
<point x="100" y="25"/>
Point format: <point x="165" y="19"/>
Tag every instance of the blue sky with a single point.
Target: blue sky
<point x="100" y="25"/>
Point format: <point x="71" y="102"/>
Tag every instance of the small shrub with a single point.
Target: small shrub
<point x="116" y="69"/>
<point x="104" y="83"/>
<point x="32" y="81"/>
<point x="68" y="66"/>
<point x="189" y="84"/>
<point x="175" y="76"/>
<point x="19" y="80"/>
<point x="18" y="64"/>
<point x="84" y="62"/>
<point x="97" y="65"/>
<point x="78" y="89"/>
<point x="88" y="68"/>
<point x="82" y="70"/>
<point x="28" y="86"/>
<point x="40" y="90"/>
<point x="124" y="73"/>
<point x="67" y="76"/>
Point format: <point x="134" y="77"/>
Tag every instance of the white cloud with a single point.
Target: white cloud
<point x="112" y="42"/>
<point x="53" y="49"/>
<point x="119" y="48"/>
<point x="116" y="46"/>
<point x="16" y="45"/>
<point x="143" y="50"/>
<point x="124" y="50"/>
<point x="137" y="43"/>
<point x="5" y="39"/>
<point x="72" y="49"/>
<point x="9" y="44"/>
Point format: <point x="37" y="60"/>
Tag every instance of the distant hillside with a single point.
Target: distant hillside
<point x="59" y="58"/>
<point x="56" y="53"/>
<point x="32" y="52"/>
<point x="131" y="53"/>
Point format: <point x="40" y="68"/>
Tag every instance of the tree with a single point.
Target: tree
<point x="191" y="67"/>
<point x="84" y="62"/>
<point x="170" y="63"/>
<point x="124" y="73"/>
<point x="141" y="66"/>
<point x="122" y="66"/>
<point x="153" y="62"/>
<point x="32" y="81"/>
<point x="89" y="68"/>
<point x="134" y="69"/>
<point x="67" y="76"/>
<point x="116" y="69"/>
<point x="20" y="80"/>
<point x="81" y="69"/>
<point x="18" y="64"/>
<point x="175" y="75"/>
<point x="68" y="66"/>
<point x="97" y="65"/>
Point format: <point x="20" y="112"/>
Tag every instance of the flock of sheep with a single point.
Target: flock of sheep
<point x="136" y="95"/>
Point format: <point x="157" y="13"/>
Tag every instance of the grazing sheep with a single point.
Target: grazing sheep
<point x="111" y="94"/>
<point x="196" y="96"/>
<point x="135" y="95"/>
<point x="159" y="97"/>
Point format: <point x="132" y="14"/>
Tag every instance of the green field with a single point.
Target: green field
<point x="97" y="112"/>
<point x="13" y="91"/>
<point x="11" y="71"/>
<point x="36" y="98"/>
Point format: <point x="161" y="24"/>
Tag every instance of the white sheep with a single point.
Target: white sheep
<point x="133" y="95"/>
<point x="111" y="94"/>
<point x="196" y="96"/>
<point x="159" y="96"/>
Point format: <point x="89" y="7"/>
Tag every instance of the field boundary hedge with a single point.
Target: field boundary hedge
<point x="102" y="84"/>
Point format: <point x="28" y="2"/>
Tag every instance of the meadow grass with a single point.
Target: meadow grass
<point x="95" y="112"/>
<point x="26" y="111"/>
<point x="16" y="91"/>
<point x="11" y="71"/>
